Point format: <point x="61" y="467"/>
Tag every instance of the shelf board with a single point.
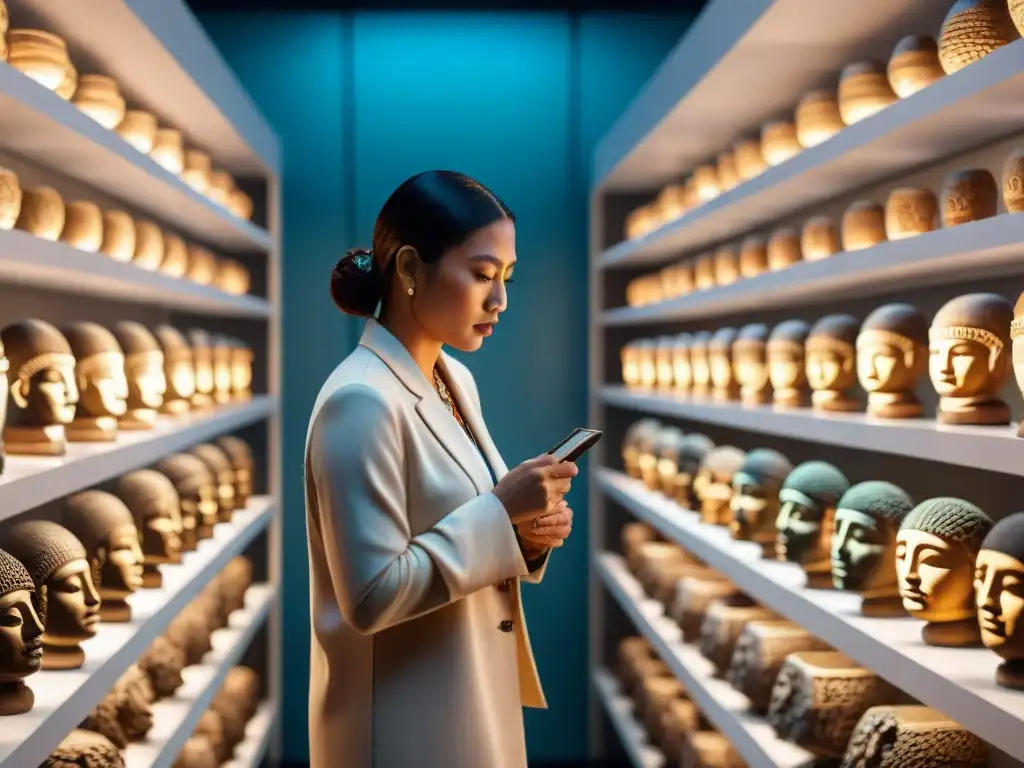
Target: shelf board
<point x="258" y="733"/>
<point x="164" y="62"/>
<point x="65" y="697"/>
<point x="714" y="83"/>
<point x="30" y="481"/>
<point x="39" y="125"/>
<point x="995" y="449"/>
<point x="631" y="733"/>
<point x="176" y="717"/>
<point x="727" y="708"/>
<point x="960" y="682"/>
<point x="968" y="109"/>
<point x="29" y="260"/>
<point x="978" y="250"/>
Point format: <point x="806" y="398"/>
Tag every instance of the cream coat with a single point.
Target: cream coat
<point x="420" y="655"/>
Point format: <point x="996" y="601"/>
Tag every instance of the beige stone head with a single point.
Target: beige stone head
<point x="41" y="374"/>
<point x="106" y="528"/>
<point x="99" y="370"/>
<point x="892" y="348"/>
<point x="999" y="588"/>
<point x="970" y="340"/>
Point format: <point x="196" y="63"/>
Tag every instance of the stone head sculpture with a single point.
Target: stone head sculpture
<point x="666" y="452"/>
<point x="144" y="369"/>
<point x="664" y="373"/>
<point x="202" y="359"/>
<point x="832" y="362"/>
<point x="43" y="392"/>
<point x="219" y="465"/>
<point x="21" y="633"/>
<point x="124" y="714"/>
<point x="638" y="433"/>
<point x="699" y="363"/>
<point x="240" y="455"/>
<point x="712" y="484"/>
<point x="162" y="662"/>
<point x="910" y="736"/>
<point x="807" y="506"/>
<point x="787" y="368"/>
<point x="236" y="702"/>
<point x="102" y="384"/>
<point x="85" y="749"/>
<point x="234" y="580"/>
<point x="221" y="347"/>
<point x="892" y="354"/>
<point x="1017" y="350"/>
<point x="692" y="450"/>
<point x="179" y="370"/>
<point x="197" y="491"/>
<point x="241" y="371"/>
<point x="646" y="355"/>
<point x="212" y="728"/>
<point x="999" y="596"/>
<point x="106" y="528"/>
<point x="936" y="549"/>
<point x="867" y="520"/>
<point x="155" y="505"/>
<point x="724" y="385"/>
<point x="69" y="603"/>
<point x="750" y="363"/>
<point x="4" y="392"/>
<point x="629" y="358"/>
<point x="682" y="373"/>
<point x="755" y="497"/>
<point x="969" y="360"/>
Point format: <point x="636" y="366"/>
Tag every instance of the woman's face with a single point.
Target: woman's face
<point x="459" y="298"/>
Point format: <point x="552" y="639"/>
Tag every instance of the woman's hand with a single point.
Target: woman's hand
<point x="534" y="489"/>
<point x="546" y="532"/>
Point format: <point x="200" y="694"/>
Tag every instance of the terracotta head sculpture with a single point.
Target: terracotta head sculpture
<point x="4" y="392"/>
<point x="666" y="452"/>
<point x="804" y="525"/>
<point x="106" y="528"/>
<point x="892" y="353"/>
<point x="21" y="632"/>
<point x="699" y="363"/>
<point x="102" y="384"/>
<point x="787" y="368"/>
<point x="155" y="505"/>
<point x="630" y="361"/>
<point x="692" y="450"/>
<point x="1017" y="350"/>
<point x="999" y="596"/>
<point x="832" y="362"/>
<point x="221" y="347"/>
<point x="43" y="392"/>
<point x="219" y="465"/>
<point x="162" y="662"/>
<point x="969" y="361"/>
<point x="646" y="357"/>
<point x="197" y="490"/>
<point x="720" y="351"/>
<point x="179" y="370"/>
<point x="144" y="369"/>
<point x="85" y="749"/>
<point x="750" y="363"/>
<point x="755" y="497"/>
<point x="637" y="434"/>
<point x="936" y="549"/>
<point x="202" y="358"/>
<point x="867" y="520"/>
<point x="240" y="455"/>
<point x="682" y="373"/>
<point x="241" y="371"/>
<point x="713" y="483"/>
<point x="69" y="603"/>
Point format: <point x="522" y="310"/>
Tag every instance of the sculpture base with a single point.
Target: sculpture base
<point x="827" y="400"/>
<point x="883" y="607"/>
<point x="985" y="413"/>
<point x="755" y="398"/>
<point x="189" y="540"/>
<point x="201" y="401"/>
<point x="62" y="656"/>
<point x="819" y="579"/>
<point x="903" y="406"/>
<point x="35" y="441"/>
<point x="204" y="531"/>
<point x="99" y="429"/>
<point x="151" y="577"/>
<point x="241" y="397"/>
<point x="789" y="398"/>
<point x="138" y="420"/>
<point x="15" y="699"/>
<point x="724" y="395"/>
<point x="222" y="398"/>
<point x="115" y="612"/>
<point x="175" y="407"/>
<point x="1010" y="674"/>
<point x="952" y="634"/>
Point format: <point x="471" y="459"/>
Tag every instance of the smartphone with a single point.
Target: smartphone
<point x="576" y="444"/>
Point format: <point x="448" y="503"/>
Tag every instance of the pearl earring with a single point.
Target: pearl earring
<point x="411" y="290"/>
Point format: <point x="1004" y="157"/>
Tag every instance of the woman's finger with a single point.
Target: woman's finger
<point x="552" y="531"/>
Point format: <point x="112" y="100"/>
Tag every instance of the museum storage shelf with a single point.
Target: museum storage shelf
<point x="631" y="733"/>
<point x="164" y="63"/>
<point x="65" y="697"/>
<point x="258" y="738"/>
<point x="724" y="707"/>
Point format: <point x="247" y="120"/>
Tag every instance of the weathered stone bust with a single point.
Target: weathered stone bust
<point x="84" y="749"/>
<point x="162" y="662"/>
<point x="21" y="632"/>
<point x="755" y="497"/>
<point x="101" y="381"/>
<point x="999" y="597"/>
<point x="832" y="362"/>
<point x="787" y="368"/>
<point x="713" y="484"/>
<point x="692" y="450"/>
<point x="806" y="517"/>
<point x="197" y="492"/>
<point x="910" y="736"/>
<point x="892" y="354"/>
<point x="154" y="503"/>
<point x="144" y="369"/>
<point x="124" y="714"/>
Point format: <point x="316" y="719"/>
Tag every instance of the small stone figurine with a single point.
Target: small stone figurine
<point x="663" y="371"/>
<point x="723" y="624"/>
<point x="179" y="370"/>
<point x="102" y="384"/>
<point x="867" y="519"/>
<point x="21" y="645"/>
<point x="84" y="749"/>
<point x="998" y="576"/>
<point x="969" y="195"/>
<point x="755" y="497"/>
<point x="666" y="447"/>
<point x="699" y="363"/>
<point x="154" y="503"/>
<point x="909" y="736"/>
<point x="197" y="490"/>
<point x="635" y="435"/>
<point x="630" y="363"/>
<point x="787" y="367"/>
<point x="892" y="354"/>
<point x="750" y="364"/>
<point x="692" y="450"/>
<point x="713" y="483"/>
<point x="724" y="384"/>
<point x="808" y="500"/>
<point x="832" y="362"/>
<point x="936" y="549"/>
<point x="969" y="358"/>
<point x="223" y="474"/>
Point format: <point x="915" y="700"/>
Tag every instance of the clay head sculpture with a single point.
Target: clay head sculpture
<point x="720" y="346"/>
<point x="241" y="371"/>
<point x="908" y="736"/>
<point x="162" y="662"/>
<point x="190" y="631"/>
<point x="755" y="497"/>
<point x="646" y="356"/>
<point x="750" y="363"/>
<point x="84" y="749"/>
<point x="832" y="362"/>
<point x="914" y="65"/>
<point x="787" y="369"/>
<point x="219" y="465"/>
<point x="106" y="528"/>
<point x="969" y="360"/>
<point x="179" y="370"/>
<point x="43" y="392"/>
<point x="713" y="483"/>
<point x="936" y="549"/>
<point x="629" y="358"/>
<point x="666" y="452"/>
<point x="234" y="580"/>
<point x="753" y="257"/>
<point x="682" y="374"/>
<point x="155" y="505"/>
<point x="4" y="392"/>
<point x="124" y="714"/>
<point x="699" y="363"/>
<point x="212" y="728"/>
<point x="196" y="752"/>
<point x="805" y="522"/>
<point x="21" y="633"/>
<point x="197" y="490"/>
<point x="69" y="603"/>
<point x="999" y="596"/>
<point x="663" y="346"/>
<point x="102" y="384"/>
<point x="202" y="359"/>
<point x="636" y="434"/>
<point x="692" y="450"/>
<point x="892" y="353"/>
<point x="240" y="455"/>
<point x="144" y="369"/>
<point x="236" y="703"/>
<point x="867" y="519"/>
<point x="1017" y="353"/>
<point x="222" y="347"/>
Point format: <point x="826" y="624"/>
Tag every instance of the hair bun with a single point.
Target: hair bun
<point x="356" y="284"/>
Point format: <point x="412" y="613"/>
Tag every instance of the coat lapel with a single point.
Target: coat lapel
<point x="435" y="415"/>
<point x="470" y="408"/>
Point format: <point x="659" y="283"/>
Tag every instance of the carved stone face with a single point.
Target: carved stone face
<point x="829" y="369"/>
<point x="863" y="552"/>
<point x="999" y="596"/>
<point x="147" y="381"/>
<point x="753" y="508"/>
<point x="161" y="537"/>
<point x="52" y="395"/>
<point x="682" y="373"/>
<point x="104" y="386"/>
<point x="72" y="604"/>
<point x="882" y="367"/>
<point x="181" y="378"/>
<point x="721" y="370"/>
<point x="786" y="366"/>
<point x="4" y="390"/>
<point x="201" y="506"/>
<point x="958" y="367"/>
<point x="935" y="577"/>
<point x="122" y="569"/>
<point x="715" y="493"/>
<point x="751" y="369"/>
<point x="701" y="369"/>
<point x="21" y="633"/>
<point x="803" y="529"/>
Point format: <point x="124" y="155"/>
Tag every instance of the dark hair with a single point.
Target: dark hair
<point x="433" y="212"/>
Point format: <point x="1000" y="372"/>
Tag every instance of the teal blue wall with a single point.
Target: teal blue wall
<point x="361" y="102"/>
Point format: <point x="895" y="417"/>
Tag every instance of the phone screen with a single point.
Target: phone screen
<point x="575" y="444"/>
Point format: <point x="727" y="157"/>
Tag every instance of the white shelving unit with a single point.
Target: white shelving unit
<point x="739" y="66"/>
<point x="620" y="711"/>
<point x="164" y="63"/>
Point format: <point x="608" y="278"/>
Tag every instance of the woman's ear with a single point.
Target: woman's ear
<point x="407" y="263"/>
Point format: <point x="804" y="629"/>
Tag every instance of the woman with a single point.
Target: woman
<point x="418" y="536"/>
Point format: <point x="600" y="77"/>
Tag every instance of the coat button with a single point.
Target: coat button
<point x="507" y="625"/>
<point x="505" y="585"/>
